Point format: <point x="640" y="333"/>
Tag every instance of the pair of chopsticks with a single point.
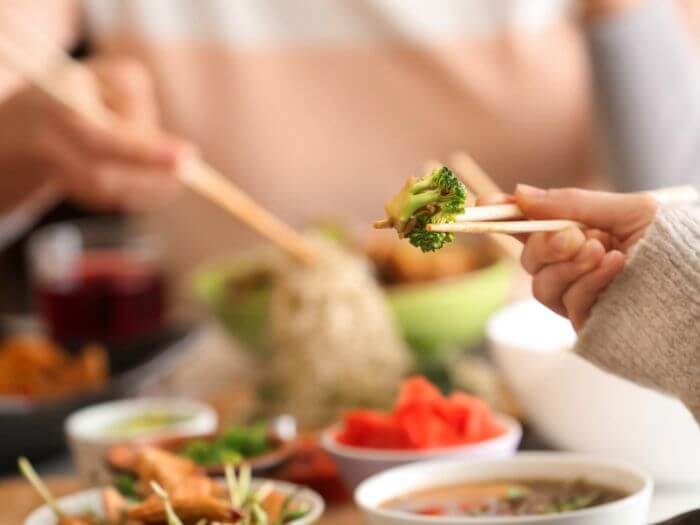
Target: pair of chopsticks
<point x="503" y="218"/>
<point x="20" y="53"/>
<point x="480" y="184"/>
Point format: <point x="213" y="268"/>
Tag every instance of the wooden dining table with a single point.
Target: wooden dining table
<point x="233" y="397"/>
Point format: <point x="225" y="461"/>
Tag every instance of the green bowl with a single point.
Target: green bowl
<point x="436" y="318"/>
<point x="442" y="316"/>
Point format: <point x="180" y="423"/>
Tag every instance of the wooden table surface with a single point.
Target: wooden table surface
<point x="18" y="499"/>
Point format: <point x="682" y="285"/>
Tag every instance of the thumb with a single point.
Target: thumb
<point x="617" y="213"/>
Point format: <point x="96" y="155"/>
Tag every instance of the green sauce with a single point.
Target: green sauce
<point x="146" y="423"/>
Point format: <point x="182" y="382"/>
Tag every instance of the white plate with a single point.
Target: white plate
<point x="91" y="501"/>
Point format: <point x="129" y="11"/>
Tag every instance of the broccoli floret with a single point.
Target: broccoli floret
<point x="430" y="241"/>
<point x="433" y="199"/>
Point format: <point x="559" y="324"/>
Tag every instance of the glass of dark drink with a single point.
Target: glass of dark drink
<point x="97" y="281"/>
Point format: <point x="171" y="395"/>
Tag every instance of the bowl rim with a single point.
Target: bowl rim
<point x="204" y="418"/>
<point x="282" y="451"/>
<point x="494" y="327"/>
<point x="647" y="485"/>
<point x="499" y="262"/>
<point x="223" y="264"/>
<point x="318" y="505"/>
<point x="330" y="443"/>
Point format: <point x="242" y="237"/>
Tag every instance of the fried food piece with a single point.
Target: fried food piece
<point x="114" y="506"/>
<point x="273" y="505"/>
<point x="189" y="508"/>
<point x="34" y="367"/>
<point x="166" y="469"/>
<point x="200" y="485"/>
<point x="122" y="457"/>
<point x="71" y="520"/>
<point x="400" y="263"/>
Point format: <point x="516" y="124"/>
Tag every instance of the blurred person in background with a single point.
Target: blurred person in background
<point x="322" y="109"/>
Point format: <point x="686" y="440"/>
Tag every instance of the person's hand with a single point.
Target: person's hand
<point x="571" y="268"/>
<point x="129" y="164"/>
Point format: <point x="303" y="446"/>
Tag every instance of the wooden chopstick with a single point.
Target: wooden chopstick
<point x="474" y="214"/>
<point x="208" y="182"/>
<point x="494" y="212"/>
<point x="485" y="219"/>
<point x="480" y="184"/>
<point x="507" y="227"/>
<point x="193" y="171"/>
<point x="473" y="175"/>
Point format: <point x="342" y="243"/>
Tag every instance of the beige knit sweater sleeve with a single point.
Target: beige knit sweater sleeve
<point x="646" y="326"/>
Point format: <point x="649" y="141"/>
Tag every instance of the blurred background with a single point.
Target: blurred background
<point x="118" y="282"/>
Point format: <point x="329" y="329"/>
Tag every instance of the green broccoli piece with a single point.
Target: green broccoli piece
<point x="433" y="199"/>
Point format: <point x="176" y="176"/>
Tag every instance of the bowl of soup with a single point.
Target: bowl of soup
<point x="530" y="488"/>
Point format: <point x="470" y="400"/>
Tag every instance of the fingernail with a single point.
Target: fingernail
<point x="586" y="259"/>
<point x="563" y="241"/>
<point x="529" y="191"/>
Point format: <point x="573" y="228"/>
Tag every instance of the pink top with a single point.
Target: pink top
<point x="322" y="109"/>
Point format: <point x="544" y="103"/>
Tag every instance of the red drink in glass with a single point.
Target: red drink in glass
<point x="109" y="291"/>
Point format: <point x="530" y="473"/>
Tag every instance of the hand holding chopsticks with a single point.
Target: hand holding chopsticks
<point x="502" y="218"/>
<point x="29" y="52"/>
<point x="430" y="210"/>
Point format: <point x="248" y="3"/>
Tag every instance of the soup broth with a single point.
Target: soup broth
<point x="505" y="498"/>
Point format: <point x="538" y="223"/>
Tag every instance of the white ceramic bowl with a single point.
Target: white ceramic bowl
<point x="632" y="510"/>
<point x="358" y="463"/>
<point x="89" y="444"/>
<point x="576" y="406"/>
<point x="91" y="501"/>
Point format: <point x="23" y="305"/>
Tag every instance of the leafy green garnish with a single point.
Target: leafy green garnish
<point x="234" y="445"/>
<point x="126" y="485"/>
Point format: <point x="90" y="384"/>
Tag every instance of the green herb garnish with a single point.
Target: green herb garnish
<point x="126" y="485"/>
<point x="234" y="445"/>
